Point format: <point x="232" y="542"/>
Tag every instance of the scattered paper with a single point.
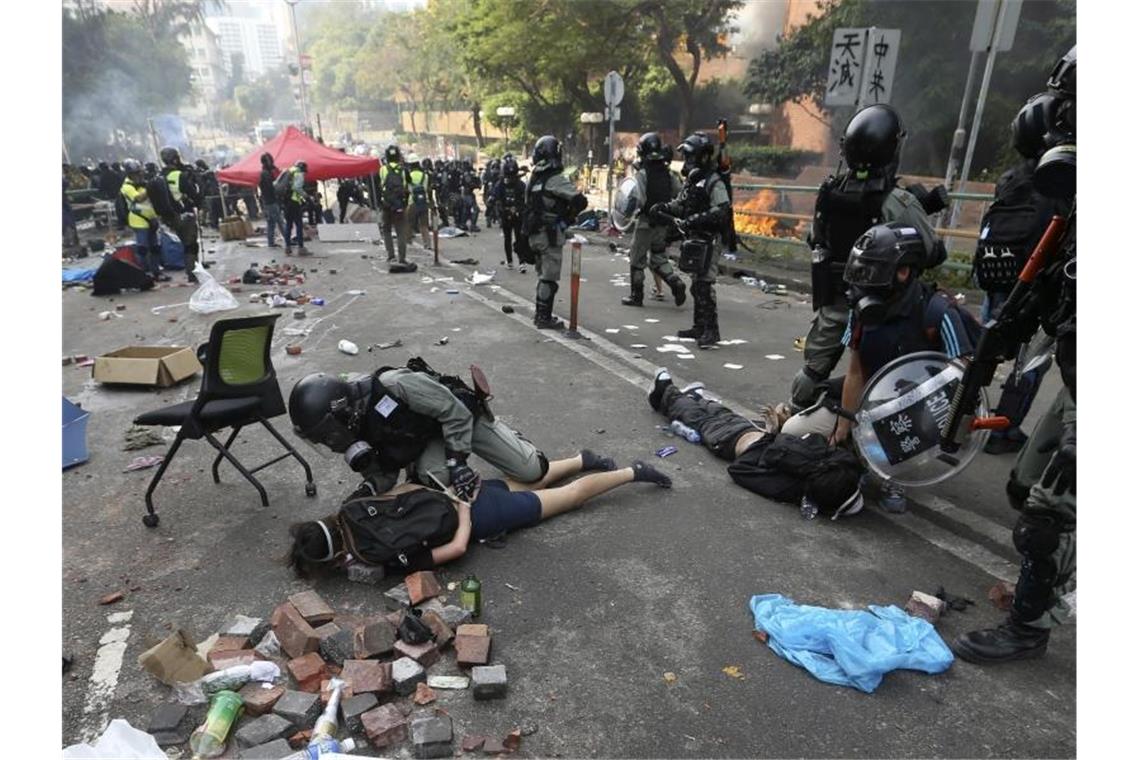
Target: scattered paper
<point x="143" y="463"/>
<point x="687" y="340"/>
<point x="729" y="365"/>
<point x="612" y="330"/>
<point x="773" y="357"/>
<point x="630" y="327"/>
<point x="670" y="677"/>
<point x="671" y="349"/>
<point x="652" y="321"/>
<point x="684" y="356"/>
<point x="732" y="342"/>
<point x="639" y="345"/>
<point x="732" y="671"/>
<point x="669" y="337"/>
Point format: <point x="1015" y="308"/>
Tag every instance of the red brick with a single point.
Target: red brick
<point x="1001" y="595"/>
<point x="422" y="585"/>
<point x="296" y="636"/>
<point x="473" y="629"/>
<point x="258" y="699"/>
<point x="425" y="654"/>
<point x="424" y="694"/>
<point x="472" y="742"/>
<point x="472" y="650"/>
<point x="442" y="631"/>
<point x="374" y="639"/>
<point x="312" y="607"/>
<point x="221" y="659"/>
<point x="368" y="676"/>
<point x="301" y="739"/>
<point x="231" y="642"/>
<point x="326" y="630"/>
<point x="308" y="670"/>
<point x="385" y="726"/>
<point x="346" y="691"/>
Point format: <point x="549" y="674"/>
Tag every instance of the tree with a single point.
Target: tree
<point x="931" y="74"/>
<point x="699" y="28"/>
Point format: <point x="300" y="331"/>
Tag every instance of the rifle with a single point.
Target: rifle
<point x="724" y="166"/>
<point x="1006" y="329"/>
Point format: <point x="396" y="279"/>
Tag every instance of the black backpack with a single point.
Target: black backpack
<point x="1009" y="230"/>
<point x="121" y="211"/>
<point x="283" y="186"/>
<point x="162" y="201"/>
<point x="385" y="529"/>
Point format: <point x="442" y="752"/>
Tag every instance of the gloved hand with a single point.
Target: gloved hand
<point x="373" y="485"/>
<point x="464" y="480"/>
<point x="1062" y="468"/>
<point x="657" y="212"/>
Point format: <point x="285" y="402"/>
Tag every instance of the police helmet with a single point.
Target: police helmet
<point x="302" y="165"/>
<point x="510" y="167"/>
<point x="1038" y="126"/>
<point x="151" y="168"/>
<point x="392" y="154"/>
<point x="325" y="410"/>
<point x="170" y="156"/>
<point x="547" y="153"/>
<point x="1064" y="77"/>
<point x="872" y="139"/>
<point x="201" y="165"/>
<point x="697" y="150"/>
<point x="132" y="167"/>
<point x="650" y="147"/>
<point x="427" y="164"/>
<point x="880" y="251"/>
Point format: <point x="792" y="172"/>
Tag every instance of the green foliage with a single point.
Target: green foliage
<point x="771" y="160"/>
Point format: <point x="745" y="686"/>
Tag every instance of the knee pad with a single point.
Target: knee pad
<point x="1036" y="536"/>
<point x="805" y="388"/>
<point x="1016" y="492"/>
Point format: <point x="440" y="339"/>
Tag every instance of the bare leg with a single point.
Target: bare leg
<point x="560" y="469"/>
<point x="558" y="500"/>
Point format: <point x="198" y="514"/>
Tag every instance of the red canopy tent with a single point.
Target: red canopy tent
<point x="293" y="145"/>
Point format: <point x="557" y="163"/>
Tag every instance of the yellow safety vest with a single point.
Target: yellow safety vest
<point x="172" y="181"/>
<point x="140" y="212"/>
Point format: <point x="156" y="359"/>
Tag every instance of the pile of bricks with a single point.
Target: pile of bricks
<point x="388" y="685"/>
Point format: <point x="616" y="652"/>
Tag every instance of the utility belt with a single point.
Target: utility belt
<point x="696" y="255"/>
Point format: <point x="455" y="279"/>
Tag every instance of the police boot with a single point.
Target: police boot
<point x="678" y="287"/>
<point x="544" y="305"/>
<point x="636" y="295"/>
<point x="1008" y="642"/>
<point x="698" y="328"/>
<point x="711" y="335"/>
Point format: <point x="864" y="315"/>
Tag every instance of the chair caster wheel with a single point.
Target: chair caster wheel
<point x="150" y="520"/>
<point x="310" y="489"/>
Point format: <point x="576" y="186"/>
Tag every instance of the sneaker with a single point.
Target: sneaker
<point x="522" y="268"/>
<point x="288" y="251"/>
<point x="661" y="380"/>
<point x="510" y="265"/>
<point x="658" y="295"/>
<point x="162" y="278"/>
<point x="1008" y="642"/>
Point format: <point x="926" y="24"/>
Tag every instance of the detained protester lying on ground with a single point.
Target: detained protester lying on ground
<point x="431" y="527"/>
<point x="799" y="469"/>
<point x="414" y="417"/>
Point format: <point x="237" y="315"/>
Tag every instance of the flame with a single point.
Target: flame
<point x="749" y="215"/>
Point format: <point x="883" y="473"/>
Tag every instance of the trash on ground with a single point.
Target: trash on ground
<point x="638" y="345"/>
<point x="732" y="671"/>
<point x="111" y="598"/>
<point x="347" y="347"/>
<point x="774" y="357"/>
<point x="451" y="232"/>
<point x="849" y="647"/>
<point x="730" y="365"/>
<point x="293" y="350"/>
<point x="686" y="356"/>
<point x="105" y="315"/>
<point x="479" y="278"/>
<point x="798" y="343"/>
<point x="652" y="321"/>
<point x="385" y="346"/>
<point x="612" y="330"/>
<point x="956" y="603"/>
<point x="1001" y="595"/>
<point x="731" y="342"/>
<point x="140" y="437"/>
<point x="452" y="291"/>
<point x="925" y="606"/>
<point x="442" y="341"/>
<point x="671" y="349"/>
<point x="143" y="463"/>
<point x="210" y="297"/>
<point x="120" y="741"/>
<point x="665" y="451"/>
<point x="508" y="309"/>
<point x="160" y="366"/>
<point x="175" y="659"/>
<point x="669" y="677"/>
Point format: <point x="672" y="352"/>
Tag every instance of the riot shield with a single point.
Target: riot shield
<point x="901" y="415"/>
<point x="629" y="200"/>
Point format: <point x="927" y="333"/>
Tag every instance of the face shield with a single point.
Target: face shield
<point x="329" y="432"/>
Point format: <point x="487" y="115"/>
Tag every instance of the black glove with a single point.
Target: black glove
<point x="658" y="212"/>
<point x="1062" y="467"/>
<point x="464" y="480"/>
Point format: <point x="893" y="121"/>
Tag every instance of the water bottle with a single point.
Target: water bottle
<point x="209" y="739"/>
<point x="808" y="509"/>
<point x="471" y="595"/>
<point x="326" y="723"/>
<point x="686" y="432"/>
<point x="326" y="746"/>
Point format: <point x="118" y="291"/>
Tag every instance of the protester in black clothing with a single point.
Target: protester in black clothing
<point x="509" y="196"/>
<point x="348" y="191"/>
<point x="269" y="200"/>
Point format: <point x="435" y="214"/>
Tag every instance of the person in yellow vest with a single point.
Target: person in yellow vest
<point x="142" y="220"/>
<point x="419" y="211"/>
<point x="295" y="200"/>
<point x="187" y="198"/>
<point x="395" y="194"/>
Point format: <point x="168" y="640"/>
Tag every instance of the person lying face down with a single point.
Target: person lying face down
<point x="764" y="458"/>
<point x="499" y="506"/>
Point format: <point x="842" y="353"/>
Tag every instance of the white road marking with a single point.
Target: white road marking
<point x="105" y="675"/>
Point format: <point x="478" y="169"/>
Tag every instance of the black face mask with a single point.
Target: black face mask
<point x="870" y="303"/>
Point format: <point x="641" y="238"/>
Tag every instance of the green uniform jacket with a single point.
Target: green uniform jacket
<point x="422" y="394"/>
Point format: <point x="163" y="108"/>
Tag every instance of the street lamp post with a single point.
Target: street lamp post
<point x="300" y="65"/>
<point x="508" y="114"/>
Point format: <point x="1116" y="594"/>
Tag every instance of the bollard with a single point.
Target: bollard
<point x="575" y="284"/>
<point x="435" y="236"/>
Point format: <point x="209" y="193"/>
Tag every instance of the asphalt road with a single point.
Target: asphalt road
<point x="601" y="603"/>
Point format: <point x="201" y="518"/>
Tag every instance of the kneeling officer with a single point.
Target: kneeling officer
<point x="411" y="417"/>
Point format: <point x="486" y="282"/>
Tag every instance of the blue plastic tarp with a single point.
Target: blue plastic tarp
<point x="849" y="647"/>
<point x="78" y="275"/>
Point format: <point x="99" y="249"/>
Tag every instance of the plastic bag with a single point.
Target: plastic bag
<point x="233" y="678"/>
<point x="120" y="741"/>
<point x="210" y="295"/>
<point x="849" y="647"/>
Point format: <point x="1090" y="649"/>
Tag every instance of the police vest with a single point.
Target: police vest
<point x="841" y="216"/>
<point x="658" y="183"/>
<point x="398" y="434"/>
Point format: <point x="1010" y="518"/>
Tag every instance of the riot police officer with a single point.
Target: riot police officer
<point x="650" y="233"/>
<point x="410" y="417"/>
<point x="845" y="208"/>
<point x="187" y="198"/>
<point x="508" y="196"/>
<point x="1043" y="483"/>
<point x="702" y="212"/>
<point x="552" y="204"/>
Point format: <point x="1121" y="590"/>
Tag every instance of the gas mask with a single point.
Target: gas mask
<point x="872" y="269"/>
<point x="870" y="303"/>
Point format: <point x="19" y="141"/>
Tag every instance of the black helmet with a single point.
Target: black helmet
<point x="151" y="168"/>
<point x="170" y="156"/>
<point x="266" y="160"/>
<point x="327" y="410"/>
<point x="547" y="153"/>
<point x="1064" y="77"/>
<point x="873" y="264"/>
<point x="426" y="163"/>
<point x="392" y="154"/>
<point x="510" y="167"/>
<point x="1038" y="126"/>
<point x="201" y="165"/>
<point x="872" y="139"/>
<point x="697" y="150"/>
<point x="131" y="167"/>
<point x="302" y="165"/>
<point x="650" y="147"/>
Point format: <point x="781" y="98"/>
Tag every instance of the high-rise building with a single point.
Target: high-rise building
<point x="252" y="38"/>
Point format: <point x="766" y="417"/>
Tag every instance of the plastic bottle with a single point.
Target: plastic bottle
<point x="326" y="746"/>
<point x="326" y="724"/>
<point x="809" y="510"/>
<point x="471" y="595"/>
<point x="686" y="432"/>
<point x="209" y="739"/>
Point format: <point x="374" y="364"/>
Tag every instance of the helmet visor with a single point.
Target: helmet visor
<point x="868" y="273"/>
<point x="329" y="432"/>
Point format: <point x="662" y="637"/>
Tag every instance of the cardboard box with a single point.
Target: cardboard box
<point x="160" y="366"/>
